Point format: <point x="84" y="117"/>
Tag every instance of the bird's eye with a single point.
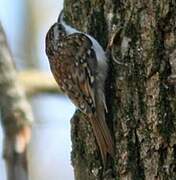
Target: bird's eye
<point x="61" y="34"/>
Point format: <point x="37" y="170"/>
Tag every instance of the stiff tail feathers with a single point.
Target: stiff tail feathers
<point x="103" y="136"/>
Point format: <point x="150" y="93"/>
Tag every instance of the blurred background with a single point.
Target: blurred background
<point x="26" y="23"/>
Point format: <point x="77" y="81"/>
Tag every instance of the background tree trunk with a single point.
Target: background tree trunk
<point x="15" y="114"/>
<point x="141" y="102"/>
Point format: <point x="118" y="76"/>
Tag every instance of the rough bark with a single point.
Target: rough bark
<point x="141" y="101"/>
<point x="15" y="114"/>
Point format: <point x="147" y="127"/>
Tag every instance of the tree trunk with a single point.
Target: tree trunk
<point x="141" y="100"/>
<point x="15" y="114"/>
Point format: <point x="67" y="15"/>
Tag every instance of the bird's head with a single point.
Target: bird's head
<point x="54" y="37"/>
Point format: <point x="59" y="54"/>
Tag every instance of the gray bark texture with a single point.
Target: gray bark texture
<point x="15" y="114"/>
<point x="140" y="98"/>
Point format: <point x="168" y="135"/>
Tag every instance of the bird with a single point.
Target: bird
<point x="79" y="66"/>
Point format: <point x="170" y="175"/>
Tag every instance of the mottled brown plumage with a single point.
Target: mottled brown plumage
<point x="74" y="64"/>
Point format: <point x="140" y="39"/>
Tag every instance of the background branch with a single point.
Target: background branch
<point x="35" y="82"/>
<point x="16" y="115"/>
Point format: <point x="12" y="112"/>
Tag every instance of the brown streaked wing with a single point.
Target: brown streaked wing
<point x="76" y="58"/>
